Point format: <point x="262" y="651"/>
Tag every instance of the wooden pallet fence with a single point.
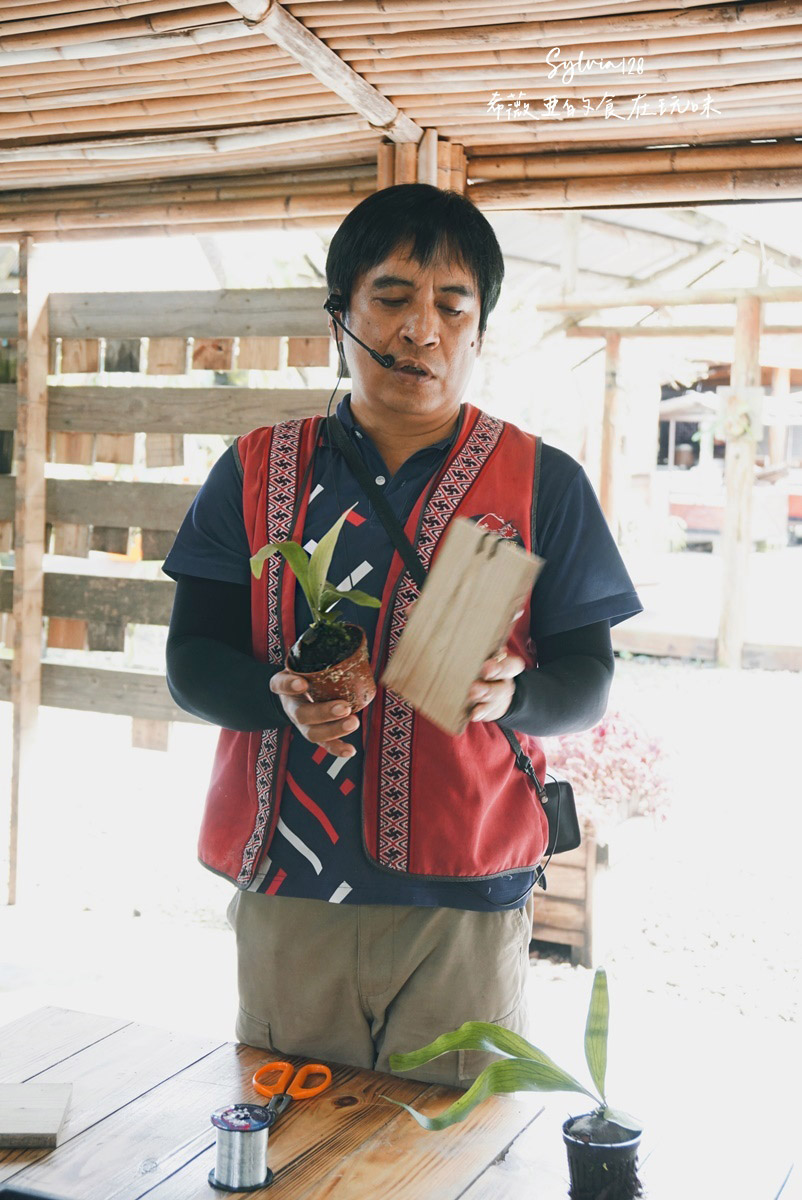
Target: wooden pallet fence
<point x="164" y="449"/>
<point x="564" y="912"/>
<point x="308" y="352"/>
<point x="167" y="356"/>
<point x="258" y="353"/>
<point x="80" y="356"/>
<point x="212" y="354"/>
<point x="122" y="355"/>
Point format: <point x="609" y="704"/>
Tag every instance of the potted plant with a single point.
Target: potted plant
<point x="602" y="1144"/>
<point x="332" y="655"/>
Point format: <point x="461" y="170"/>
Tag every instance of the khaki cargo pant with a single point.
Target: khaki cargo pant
<point x="357" y="983"/>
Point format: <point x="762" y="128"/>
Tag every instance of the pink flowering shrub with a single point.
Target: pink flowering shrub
<point x="616" y="769"/>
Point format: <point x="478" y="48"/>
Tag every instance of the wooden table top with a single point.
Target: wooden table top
<point x="138" y="1123"/>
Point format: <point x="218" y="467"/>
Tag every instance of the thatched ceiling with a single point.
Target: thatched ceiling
<point x="143" y="94"/>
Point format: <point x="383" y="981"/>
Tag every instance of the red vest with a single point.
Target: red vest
<point x="433" y="805"/>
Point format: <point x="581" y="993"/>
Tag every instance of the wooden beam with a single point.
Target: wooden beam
<point x="99" y="598"/>
<point x="673" y="331"/>
<point x="32" y="359"/>
<point x="739" y="464"/>
<point x="637" y="297"/>
<point x="281" y="28"/>
<point x="611" y="433"/>
<point x="96" y="689"/>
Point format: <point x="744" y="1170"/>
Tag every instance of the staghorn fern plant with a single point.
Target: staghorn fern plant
<point x="329" y="638"/>
<point x="523" y="1068"/>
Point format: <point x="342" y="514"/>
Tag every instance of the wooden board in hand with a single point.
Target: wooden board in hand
<point x="32" y="1114"/>
<point x="464" y="614"/>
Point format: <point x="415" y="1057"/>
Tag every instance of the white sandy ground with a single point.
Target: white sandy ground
<point x="697" y="919"/>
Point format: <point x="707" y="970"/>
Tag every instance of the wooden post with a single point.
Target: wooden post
<point x="611" y="431"/>
<point x="29" y="517"/>
<point x="569" y="266"/>
<point x="778" y="432"/>
<point x="738" y="479"/>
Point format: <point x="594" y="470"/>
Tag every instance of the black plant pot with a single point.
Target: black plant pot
<point x="602" y="1170"/>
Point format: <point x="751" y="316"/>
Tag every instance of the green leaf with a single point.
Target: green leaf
<point x="506" y="1075"/>
<point x="482" y="1035"/>
<point x="320" y="561"/>
<point x="331" y="595"/>
<point x="596" y="1030"/>
<point x="618" y="1117"/>
<point x="297" y="560"/>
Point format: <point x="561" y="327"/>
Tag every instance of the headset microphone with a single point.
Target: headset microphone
<point x="333" y="305"/>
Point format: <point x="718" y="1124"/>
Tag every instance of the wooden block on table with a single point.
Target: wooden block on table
<point x="80" y="356"/>
<point x="308" y="352"/>
<point x="465" y="611"/>
<point x="167" y="356"/>
<point x="259" y="353"/>
<point x="114" y="447"/>
<point x="147" y="734"/>
<point x="212" y="354"/>
<point x="32" y="1114"/>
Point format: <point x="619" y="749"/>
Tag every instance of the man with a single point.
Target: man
<point x="385" y="869"/>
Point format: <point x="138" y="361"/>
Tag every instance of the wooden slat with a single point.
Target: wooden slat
<point x="258" y="353"/>
<point x="558" y="935"/>
<point x="105" y="635"/>
<point x="147" y="734"/>
<point x="114" y="447"/>
<point x="558" y="914"/>
<point x="308" y="352"/>
<point x="30" y="529"/>
<point x="92" y="689"/>
<point x="122" y="354"/>
<point x="99" y="598"/>
<point x="251" y="312"/>
<point x="156" y="545"/>
<point x="66" y="633"/>
<point x="44" y="1037"/>
<point x="164" y="449"/>
<point x="75" y="448"/>
<point x="80" y="356"/>
<point x="159" y="506"/>
<point x="32" y="1114"/>
<point x="108" y="540"/>
<point x="212" y="354"/>
<point x="71" y="540"/>
<point x="567" y="882"/>
<point x="222" y="410"/>
<point x="167" y="356"/>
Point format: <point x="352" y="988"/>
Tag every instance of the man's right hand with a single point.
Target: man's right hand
<point x="325" y="723"/>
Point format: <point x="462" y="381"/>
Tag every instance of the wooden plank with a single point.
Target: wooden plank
<point x="99" y="597"/>
<point x="212" y="354"/>
<point x="105" y="635"/>
<point x="7" y="630"/>
<point x="120" y="505"/>
<point x="108" y="540"/>
<point x="147" y="734"/>
<point x="114" y="447"/>
<point x="308" y="352"/>
<point x="66" y="633"/>
<point x="32" y="1114"/>
<point x="565" y="882"/>
<point x="739" y="460"/>
<point x="39" y="1039"/>
<point x="560" y="937"/>
<point x="156" y="545"/>
<point x="167" y="356"/>
<point x="80" y="356"/>
<point x="107" y="1076"/>
<point x="164" y="449"/>
<point x="464" y="613"/>
<point x="75" y="448"/>
<point x="30" y="530"/>
<point x="612" y="433"/>
<point x="125" y="693"/>
<point x="259" y="354"/>
<point x="122" y="354"/>
<point x="224" y="410"/>
<point x="663" y="644"/>
<point x="233" y="312"/>
<point x="71" y="540"/>
<point x="559" y="914"/>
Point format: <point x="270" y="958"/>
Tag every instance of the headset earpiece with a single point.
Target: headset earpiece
<point x="334" y="303"/>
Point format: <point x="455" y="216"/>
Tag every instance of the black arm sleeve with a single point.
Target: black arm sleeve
<point x="211" y="671"/>
<point x="568" y="690"/>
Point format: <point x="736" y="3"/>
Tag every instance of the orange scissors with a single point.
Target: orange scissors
<point x="285" y="1087"/>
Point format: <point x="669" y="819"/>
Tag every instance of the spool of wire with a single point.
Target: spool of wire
<point x="241" y="1163"/>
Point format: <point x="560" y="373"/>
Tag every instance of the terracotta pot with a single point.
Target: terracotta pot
<point x="351" y="679"/>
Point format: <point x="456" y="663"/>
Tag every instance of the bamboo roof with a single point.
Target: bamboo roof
<point x="141" y="114"/>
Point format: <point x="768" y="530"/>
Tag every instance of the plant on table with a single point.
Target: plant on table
<point x="332" y="653"/>
<point x="602" y="1144"/>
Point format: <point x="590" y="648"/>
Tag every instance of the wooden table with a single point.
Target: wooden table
<point x="138" y="1124"/>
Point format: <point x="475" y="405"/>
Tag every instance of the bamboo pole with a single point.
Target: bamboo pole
<point x="674" y="331"/>
<point x="611" y="433"/>
<point x="280" y="27"/>
<point x="427" y="158"/>
<point x="29" y="519"/>
<point x="780" y="390"/>
<point x="31" y="18"/>
<point x="52" y="33"/>
<point x="635" y="162"/>
<point x="161" y="42"/>
<point x="739" y="479"/>
<point x="385" y="165"/>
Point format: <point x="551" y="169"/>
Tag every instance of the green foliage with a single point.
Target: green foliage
<point x="523" y="1067"/>
<point x="311" y="571"/>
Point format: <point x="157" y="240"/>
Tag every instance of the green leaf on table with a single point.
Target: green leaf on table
<point x="506" y="1075"/>
<point x="596" y="1030"/>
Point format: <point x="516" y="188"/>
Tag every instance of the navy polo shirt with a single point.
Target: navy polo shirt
<point x="317" y="851"/>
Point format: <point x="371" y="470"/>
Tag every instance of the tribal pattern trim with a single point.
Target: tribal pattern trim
<point x="395" y="756"/>
<point x="282" y="474"/>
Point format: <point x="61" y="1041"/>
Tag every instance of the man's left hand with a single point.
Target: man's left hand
<point x="491" y="694"/>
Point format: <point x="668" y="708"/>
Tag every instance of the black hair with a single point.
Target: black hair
<point x="434" y="221"/>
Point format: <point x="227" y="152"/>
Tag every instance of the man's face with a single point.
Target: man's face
<point x="428" y="315"/>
